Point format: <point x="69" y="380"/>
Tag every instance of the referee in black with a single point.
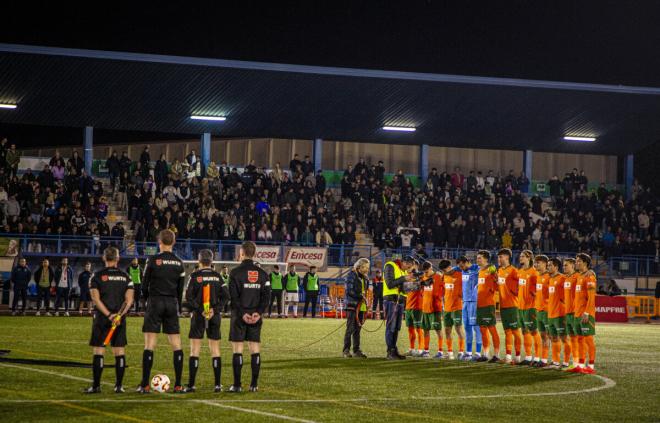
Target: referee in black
<point x="203" y="277"/>
<point x="162" y="288"/>
<point x="249" y="289"/>
<point x="112" y="293"/>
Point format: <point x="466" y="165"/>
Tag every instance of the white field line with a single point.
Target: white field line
<point x="607" y="384"/>
<point x="207" y="402"/>
<point x="247" y="410"/>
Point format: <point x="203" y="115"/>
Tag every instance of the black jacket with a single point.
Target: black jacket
<point x="163" y="276"/>
<point x="112" y="164"/>
<point x="194" y="293"/>
<point x="20" y="277"/>
<point x="83" y="281"/>
<point x="249" y="289"/>
<point x="356" y="286"/>
<point x="39" y="271"/>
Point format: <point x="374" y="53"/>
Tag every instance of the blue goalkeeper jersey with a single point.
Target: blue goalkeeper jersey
<point x="470" y="280"/>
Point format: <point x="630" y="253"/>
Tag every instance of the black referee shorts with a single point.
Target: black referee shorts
<point x="101" y="326"/>
<point x="162" y="312"/>
<point x="197" y="323"/>
<point x="240" y="331"/>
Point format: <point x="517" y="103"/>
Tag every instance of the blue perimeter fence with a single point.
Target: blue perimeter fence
<point x="340" y="255"/>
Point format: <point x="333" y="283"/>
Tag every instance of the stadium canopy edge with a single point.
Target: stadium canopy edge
<point x="323" y="70"/>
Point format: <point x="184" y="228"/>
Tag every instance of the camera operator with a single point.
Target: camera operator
<point x="394" y="298"/>
<point x="356" y="286"/>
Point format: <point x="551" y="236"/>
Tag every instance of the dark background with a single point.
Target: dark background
<point x="608" y="42"/>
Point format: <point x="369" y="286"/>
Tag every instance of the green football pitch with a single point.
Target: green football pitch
<point x="312" y="383"/>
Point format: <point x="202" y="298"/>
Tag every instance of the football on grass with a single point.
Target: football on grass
<point x="160" y="383"/>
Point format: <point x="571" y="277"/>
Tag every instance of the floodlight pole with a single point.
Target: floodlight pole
<point x="88" y="148"/>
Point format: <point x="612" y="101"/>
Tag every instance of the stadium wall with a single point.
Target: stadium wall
<point x="338" y="154"/>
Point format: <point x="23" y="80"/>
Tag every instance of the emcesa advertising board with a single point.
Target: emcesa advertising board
<point x="303" y="257"/>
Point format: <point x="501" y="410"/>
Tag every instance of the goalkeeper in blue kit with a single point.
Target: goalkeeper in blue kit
<point x="470" y="278"/>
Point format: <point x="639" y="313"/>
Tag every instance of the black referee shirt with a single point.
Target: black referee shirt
<point x="112" y="285"/>
<point x="249" y="288"/>
<point x="194" y="293"/>
<point x="163" y="276"/>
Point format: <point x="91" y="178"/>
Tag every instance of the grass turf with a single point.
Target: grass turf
<point x="313" y="384"/>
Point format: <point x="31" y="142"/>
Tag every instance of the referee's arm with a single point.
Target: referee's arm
<point x="191" y="294"/>
<point x="146" y="279"/>
<point x="264" y="301"/>
<point x="235" y="296"/>
<point x="179" y="287"/>
<point x="388" y="277"/>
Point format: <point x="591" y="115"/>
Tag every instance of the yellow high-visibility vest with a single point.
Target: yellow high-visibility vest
<point x="397" y="274"/>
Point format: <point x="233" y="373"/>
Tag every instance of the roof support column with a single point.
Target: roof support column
<point x="629" y="175"/>
<point x="424" y="162"/>
<point x="88" y="148"/>
<point x="528" y="157"/>
<point x="318" y="154"/>
<point x="205" y="151"/>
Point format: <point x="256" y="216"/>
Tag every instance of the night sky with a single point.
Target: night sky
<point x="608" y="42"/>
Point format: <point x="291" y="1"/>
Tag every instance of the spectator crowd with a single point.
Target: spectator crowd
<point x="295" y="206"/>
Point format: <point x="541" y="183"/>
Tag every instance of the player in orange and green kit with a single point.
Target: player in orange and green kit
<point x="557" y="315"/>
<point x="413" y="317"/>
<point x="585" y="313"/>
<point x="453" y="307"/>
<point x="433" y="291"/>
<point x="527" y="279"/>
<point x="572" y="330"/>
<point x="507" y="283"/>
<point x="541" y="306"/>
<point x="486" y="289"/>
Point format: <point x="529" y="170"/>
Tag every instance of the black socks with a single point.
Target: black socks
<point x="237" y="365"/>
<point x="193" y="364"/>
<point x="216" y="370"/>
<point x="97" y="370"/>
<point x="178" y="367"/>
<point x="147" y="362"/>
<point x="256" y="366"/>
<point x="120" y="367"/>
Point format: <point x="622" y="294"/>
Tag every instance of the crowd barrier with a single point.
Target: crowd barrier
<point x="644" y="307"/>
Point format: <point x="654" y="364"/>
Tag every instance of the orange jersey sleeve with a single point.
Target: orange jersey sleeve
<point x="438" y="292"/>
<point x="414" y="300"/>
<point x="541" y="298"/>
<point x="569" y="292"/>
<point x="507" y="282"/>
<point x="453" y="292"/>
<point x="486" y="288"/>
<point x="556" y="296"/>
<point x="527" y="287"/>
<point x="585" y="295"/>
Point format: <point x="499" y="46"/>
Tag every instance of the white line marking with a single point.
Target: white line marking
<point x="607" y="384"/>
<point x="48" y="372"/>
<point x="228" y="407"/>
<point x="247" y="410"/>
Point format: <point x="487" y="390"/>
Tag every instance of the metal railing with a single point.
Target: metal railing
<point x="187" y="249"/>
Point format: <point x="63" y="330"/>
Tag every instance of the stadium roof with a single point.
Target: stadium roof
<point x="156" y="93"/>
